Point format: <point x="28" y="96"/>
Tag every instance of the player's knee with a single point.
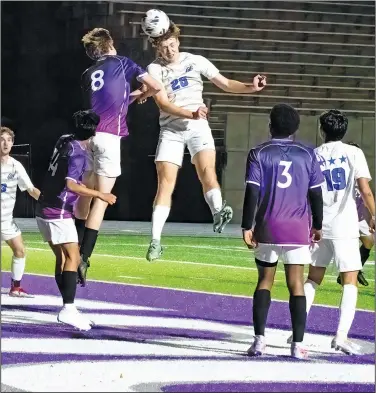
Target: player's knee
<point x="19" y="252"/>
<point x="208" y="177"/>
<point x="296" y="287"/>
<point x="367" y="242"/>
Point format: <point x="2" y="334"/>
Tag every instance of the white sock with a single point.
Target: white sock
<point x="159" y="217"/>
<point x="347" y="310"/>
<point x="70" y="306"/>
<point x="310" y="291"/>
<point x="18" y="268"/>
<point x="214" y="199"/>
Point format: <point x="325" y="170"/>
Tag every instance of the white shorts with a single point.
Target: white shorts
<point x="344" y="252"/>
<point x="171" y="144"/>
<point x="290" y="255"/>
<point x="364" y="228"/>
<point x="9" y="230"/>
<point x="58" y="231"/>
<point x="104" y="155"/>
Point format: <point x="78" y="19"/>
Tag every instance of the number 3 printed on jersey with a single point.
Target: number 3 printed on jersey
<point x="177" y="84"/>
<point x="286" y="175"/>
<point x="97" y="81"/>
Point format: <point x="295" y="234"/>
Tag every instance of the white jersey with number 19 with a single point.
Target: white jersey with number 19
<point x="342" y="165"/>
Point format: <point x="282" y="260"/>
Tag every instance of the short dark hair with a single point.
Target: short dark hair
<point x="86" y="124"/>
<point x="353" y="144"/>
<point x="334" y="124"/>
<point x="284" y="120"/>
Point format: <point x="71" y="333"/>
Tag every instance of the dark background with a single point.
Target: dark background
<point x="42" y="62"/>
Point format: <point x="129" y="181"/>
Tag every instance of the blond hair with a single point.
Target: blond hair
<point x="97" y="42"/>
<point x="6" y="130"/>
<point x="172" y="32"/>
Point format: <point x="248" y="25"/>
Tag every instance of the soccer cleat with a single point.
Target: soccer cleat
<point x="339" y="279"/>
<point x="222" y="218"/>
<point x="361" y="279"/>
<point x="298" y="351"/>
<point x="18" y="292"/>
<point x="155" y="250"/>
<point x="82" y="271"/>
<point x="258" y="346"/>
<point x="71" y="316"/>
<point x="345" y="346"/>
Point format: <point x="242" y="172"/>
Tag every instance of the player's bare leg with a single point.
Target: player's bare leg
<point x="18" y="266"/>
<point x="82" y="208"/>
<point x="67" y="261"/>
<point x="167" y="173"/>
<point x="261" y="304"/>
<point x="347" y="313"/>
<point x="204" y="162"/>
<point x="297" y="303"/>
<point x="93" y="222"/>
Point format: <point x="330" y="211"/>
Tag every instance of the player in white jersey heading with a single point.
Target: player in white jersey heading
<point x="13" y="174"/>
<point x="183" y="123"/>
<point x="344" y="168"/>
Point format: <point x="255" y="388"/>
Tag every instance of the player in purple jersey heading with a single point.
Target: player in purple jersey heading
<point x="106" y="86"/>
<point x="365" y="236"/>
<point x="60" y="191"/>
<point x="282" y="178"/>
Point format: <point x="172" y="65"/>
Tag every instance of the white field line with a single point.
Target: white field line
<point x="186" y="290"/>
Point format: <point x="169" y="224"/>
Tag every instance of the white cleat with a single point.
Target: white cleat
<point x="345" y="346"/>
<point x="298" y="351"/>
<point x="71" y="316"/>
<point x="258" y="347"/>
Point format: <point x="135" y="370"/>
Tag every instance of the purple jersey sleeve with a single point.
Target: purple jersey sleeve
<point x="76" y="166"/>
<point x="138" y="71"/>
<point x="316" y="178"/>
<point x="253" y="170"/>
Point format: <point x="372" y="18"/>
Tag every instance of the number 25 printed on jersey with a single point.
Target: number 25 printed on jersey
<point x="177" y="84"/>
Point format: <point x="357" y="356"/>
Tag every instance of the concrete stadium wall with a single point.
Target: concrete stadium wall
<point x="244" y="131"/>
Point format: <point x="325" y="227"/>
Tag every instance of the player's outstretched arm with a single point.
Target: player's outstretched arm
<point x="84" y="191"/>
<point x="233" y="86"/>
<point x="149" y="88"/>
<point x="368" y="198"/>
<point x="165" y="105"/>
<point x="34" y="192"/>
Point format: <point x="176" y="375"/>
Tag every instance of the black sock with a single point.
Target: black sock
<point x="59" y="282"/>
<point x="261" y="304"/>
<point x="80" y="227"/>
<point x="298" y="313"/>
<point x="364" y="254"/>
<point x="69" y="281"/>
<point x="16" y="284"/>
<point x="88" y="243"/>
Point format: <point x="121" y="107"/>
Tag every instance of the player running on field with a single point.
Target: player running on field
<point x="283" y="197"/>
<point x="183" y="123"/>
<point x="13" y="174"/>
<point x="106" y="86"/>
<point x="61" y="188"/>
<point x="344" y="168"/>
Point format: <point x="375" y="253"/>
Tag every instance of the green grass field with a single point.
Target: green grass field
<point x="220" y="265"/>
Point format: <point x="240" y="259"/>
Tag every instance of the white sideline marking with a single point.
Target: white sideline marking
<point x="187" y="290"/>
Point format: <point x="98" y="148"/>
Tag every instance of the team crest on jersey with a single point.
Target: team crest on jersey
<point x="3" y="187"/>
<point x="189" y="68"/>
<point x="11" y="176"/>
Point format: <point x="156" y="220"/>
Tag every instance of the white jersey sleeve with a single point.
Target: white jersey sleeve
<point x="361" y="166"/>
<point x="155" y="71"/>
<point x="206" y="67"/>
<point x="24" y="182"/>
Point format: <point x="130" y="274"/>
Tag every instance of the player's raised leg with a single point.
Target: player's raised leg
<point x="204" y="161"/>
<point x="167" y="173"/>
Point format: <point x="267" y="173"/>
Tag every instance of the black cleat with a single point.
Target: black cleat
<point x="82" y="271"/>
<point x="361" y="279"/>
<point x="339" y="279"/>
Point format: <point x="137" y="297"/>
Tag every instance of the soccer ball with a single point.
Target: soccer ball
<point x="155" y="23"/>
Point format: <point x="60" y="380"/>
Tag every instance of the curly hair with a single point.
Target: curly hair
<point x="173" y="31"/>
<point x="97" y="42"/>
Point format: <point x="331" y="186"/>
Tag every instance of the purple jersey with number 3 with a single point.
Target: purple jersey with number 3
<point x="67" y="162"/>
<point x="285" y="170"/>
<point x="106" y="87"/>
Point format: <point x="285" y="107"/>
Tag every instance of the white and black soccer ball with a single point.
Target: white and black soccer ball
<point x="155" y="23"/>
